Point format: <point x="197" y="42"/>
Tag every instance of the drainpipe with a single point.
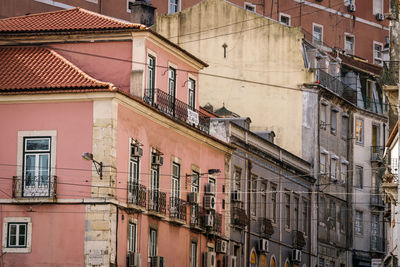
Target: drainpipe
<point x="116" y="238"/>
<point x="317" y="174"/>
<point x="248" y="209"/>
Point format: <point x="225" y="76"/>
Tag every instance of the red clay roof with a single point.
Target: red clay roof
<point x="76" y="19"/>
<point x="34" y="68"/>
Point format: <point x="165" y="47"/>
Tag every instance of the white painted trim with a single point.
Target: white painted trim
<point x="179" y="7"/>
<point x="336" y="12"/>
<point x="153" y="54"/>
<point x="55" y="3"/>
<point x="381" y="7"/>
<point x="373" y="51"/>
<point x="322" y="31"/>
<point x="285" y="15"/>
<point x="127" y="6"/>
<point x="28" y="248"/>
<point x="354" y="42"/>
<point x="247" y="4"/>
<point x="196" y="84"/>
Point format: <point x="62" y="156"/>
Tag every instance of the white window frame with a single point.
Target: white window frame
<point x="128" y="10"/>
<point x="322" y="32"/>
<point x="152" y="244"/>
<point x="323" y="162"/>
<point x="348" y="2"/>
<point x="377" y="60"/>
<point x="178" y="7"/>
<point x="191" y="77"/>
<point x="359" y="140"/>
<point x="193" y="253"/>
<point x="20" y="152"/>
<point x="333" y="167"/>
<point x="358" y="222"/>
<point x="285" y="15"/>
<point x="250" y="5"/>
<point x="19" y="220"/>
<point x="354" y="43"/>
<point x="132" y="237"/>
<point x="374" y="12"/>
<point x="175" y="180"/>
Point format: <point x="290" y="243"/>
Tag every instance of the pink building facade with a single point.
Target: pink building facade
<point x="154" y="190"/>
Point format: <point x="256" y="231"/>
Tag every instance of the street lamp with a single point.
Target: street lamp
<point x="97" y="165"/>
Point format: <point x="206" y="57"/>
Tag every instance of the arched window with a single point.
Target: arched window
<point x="253" y="258"/>
<point x="287" y="264"/>
<point x="273" y="261"/>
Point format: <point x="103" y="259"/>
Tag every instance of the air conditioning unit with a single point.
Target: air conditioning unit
<point x="208" y="220"/>
<point x="380" y="16"/>
<point x="210" y="259"/>
<point x="263" y="245"/>
<point x="134" y="259"/>
<point x="221" y="246"/>
<point x="136" y="151"/>
<point x="194" y="197"/>
<point x="157" y="261"/>
<point x="209" y="202"/>
<point x="296" y="255"/>
<point x="209" y="189"/>
<point x="236" y="195"/>
<point x="157" y="159"/>
<point x="351" y="8"/>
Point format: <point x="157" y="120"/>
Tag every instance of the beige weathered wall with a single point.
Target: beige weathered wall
<point x="258" y="50"/>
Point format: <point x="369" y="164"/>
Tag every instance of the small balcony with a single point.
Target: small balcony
<point x="377" y="198"/>
<point x="266" y="228"/>
<point x="217" y="228"/>
<point x="298" y="239"/>
<point x="195" y="216"/>
<point x="136" y="196"/>
<point x="336" y="85"/>
<point x="34" y="187"/>
<point x="377" y="153"/>
<point x="175" y="108"/>
<point x="377" y="244"/>
<point x="239" y="217"/>
<point x="177" y="210"/>
<point x="157" y="203"/>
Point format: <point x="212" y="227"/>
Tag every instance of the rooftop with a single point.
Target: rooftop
<point x="38" y="68"/>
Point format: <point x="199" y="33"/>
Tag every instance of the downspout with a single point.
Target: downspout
<point x="248" y="209"/>
<point x="317" y="173"/>
<point x="116" y="238"/>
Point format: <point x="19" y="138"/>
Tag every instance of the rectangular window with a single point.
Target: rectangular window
<point x="349" y="44"/>
<point x="332" y="213"/>
<point x="195" y="181"/>
<point x="274" y="202"/>
<point x="377" y="7"/>
<point x="359" y="131"/>
<point x="151" y="72"/>
<point x="321" y="208"/>
<point x="284" y="18"/>
<point x="333" y="168"/>
<point x="305" y="216"/>
<point x="358" y="219"/>
<point x="192" y="94"/>
<point x="263" y="200"/>
<point x="296" y="211"/>
<point x="345" y="127"/>
<point x="172" y="83"/>
<point x="154" y="185"/>
<point x="17" y="235"/>
<point x="152" y="242"/>
<point x="173" y="6"/>
<point x="287" y="210"/>
<point x="132" y="237"/>
<point x="323" y="117"/>
<point x="317" y="34"/>
<point x="253" y="203"/>
<point x="238" y="182"/>
<point x="342" y="218"/>
<point x="378" y="47"/>
<point x="359" y="177"/>
<point x="322" y="164"/>
<point x="250" y="7"/>
<point x="333" y="121"/>
<point x="375" y="138"/>
<point x="133" y="183"/>
<point x="175" y="186"/>
<point x="343" y="173"/>
<point x="36" y="175"/>
<point x="193" y="254"/>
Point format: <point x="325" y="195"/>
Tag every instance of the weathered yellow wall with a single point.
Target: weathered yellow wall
<point x="260" y="50"/>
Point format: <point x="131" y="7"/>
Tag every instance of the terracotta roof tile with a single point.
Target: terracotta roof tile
<point x="33" y="68"/>
<point x="75" y="19"/>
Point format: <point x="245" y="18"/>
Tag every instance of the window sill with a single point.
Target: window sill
<point x="16" y="250"/>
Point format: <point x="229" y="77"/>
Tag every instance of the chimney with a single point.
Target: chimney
<point x="142" y="12"/>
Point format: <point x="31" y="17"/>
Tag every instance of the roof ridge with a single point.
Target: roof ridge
<point x="127" y="23"/>
<point x="42" y="13"/>
<point x="81" y="72"/>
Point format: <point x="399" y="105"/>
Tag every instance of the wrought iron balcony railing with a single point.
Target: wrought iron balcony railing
<point x="239" y="217"/>
<point x="34" y="186"/>
<point x="266" y="227"/>
<point x="377" y="244"/>
<point x="336" y="85"/>
<point x="377" y="198"/>
<point x="218" y="223"/>
<point x="177" y="208"/>
<point x="298" y="239"/>
<point x="195" y="214"/>
<point x="157" y="201"/>
<point x="173" y="107"/>
<point x="137" y="194"/>
<point x="377" y="153"/>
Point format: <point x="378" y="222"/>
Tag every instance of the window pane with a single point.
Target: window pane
<point x="43" y="170"/>
<point x="38" y="144"/>
<point x="30" y="161"/>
